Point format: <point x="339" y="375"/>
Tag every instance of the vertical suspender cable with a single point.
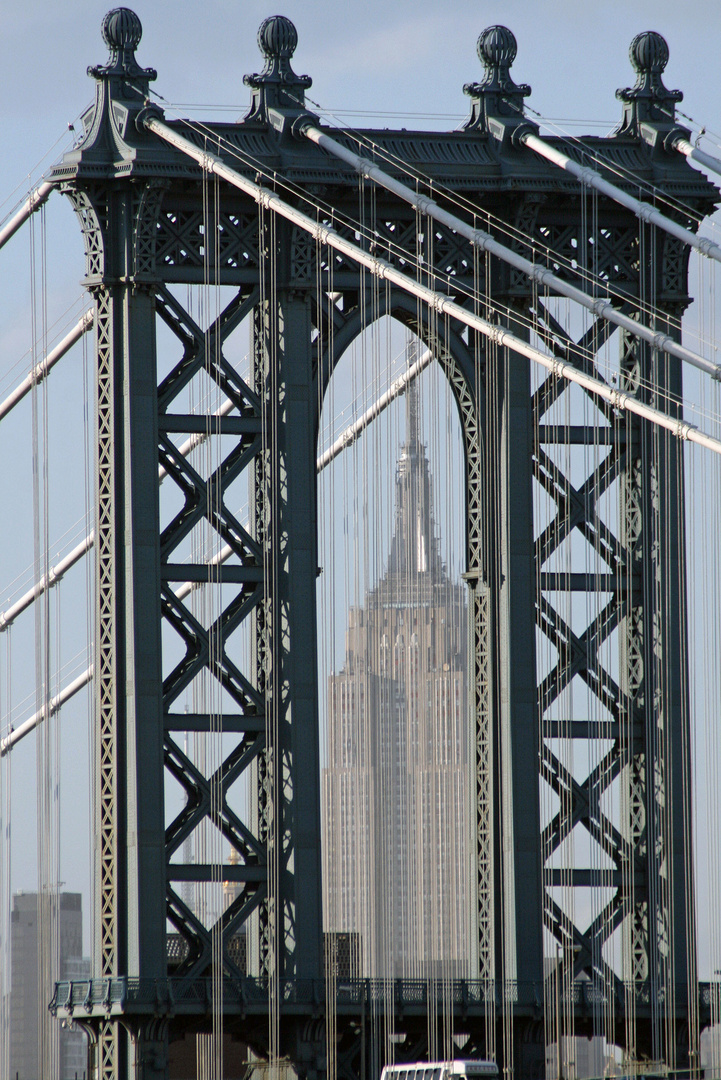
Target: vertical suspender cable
<point x="215" y="607"/>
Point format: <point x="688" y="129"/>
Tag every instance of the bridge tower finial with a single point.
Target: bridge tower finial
<point x="277" y="85"/>
<point x="122" y="30"/>
<point x="496" y="101"/>
<point x="648" y="100"/>
<point x="122" y="87"/>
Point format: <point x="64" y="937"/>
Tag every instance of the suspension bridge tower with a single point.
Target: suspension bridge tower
<point x="159" y="218"/>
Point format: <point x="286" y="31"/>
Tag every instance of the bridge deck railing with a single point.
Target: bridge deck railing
<point x="248" y="994"/>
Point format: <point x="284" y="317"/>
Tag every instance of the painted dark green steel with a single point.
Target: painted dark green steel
<point x="140" y="206"/>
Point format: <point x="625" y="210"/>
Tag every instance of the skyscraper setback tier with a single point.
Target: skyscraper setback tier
<point x="396" y="789"/>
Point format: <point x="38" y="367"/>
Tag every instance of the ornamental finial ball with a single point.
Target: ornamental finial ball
<point x="277" y="37"/>
<point x="121" y="29"/>
<point x="497" y="47"/>
<point x="648" y="52"/>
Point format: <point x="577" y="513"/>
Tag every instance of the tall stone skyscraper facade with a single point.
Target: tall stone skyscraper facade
<point x="396" y="786"/>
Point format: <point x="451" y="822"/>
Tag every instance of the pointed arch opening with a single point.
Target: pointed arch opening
<point x="398" y="780"/>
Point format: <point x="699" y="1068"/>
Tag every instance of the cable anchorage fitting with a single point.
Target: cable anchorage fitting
<point x="661" y="340"/>
<point x="587" y="176"/>
<point x="481" y="239"/>
<point x="150" y="111"/>
<point x="645" y="212"/>
<point x="706" y="246"/>
<point x="541" y="274"/>
<point x="424" y="203"/>
<point x="301" y="123"/>
<point x="208" y="161"/>
<point x="618" y="399"/>
<point x="601" y="306"/>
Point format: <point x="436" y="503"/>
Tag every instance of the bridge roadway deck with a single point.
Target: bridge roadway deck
<point x="247" y="996"/>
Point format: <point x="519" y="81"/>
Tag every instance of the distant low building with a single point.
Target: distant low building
<point x="28" y="999"/>
<point x="73" y="1041"/>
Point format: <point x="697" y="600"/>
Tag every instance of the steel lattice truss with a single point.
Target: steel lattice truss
<point x="577" y="508"/>
<point x="633" y="568"/>
<point x="206" y="646"/>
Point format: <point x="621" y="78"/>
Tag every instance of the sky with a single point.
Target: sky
<point x="407" y="56"/>
<point x="375" y="63"/>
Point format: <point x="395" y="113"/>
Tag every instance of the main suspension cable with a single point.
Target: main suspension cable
<point x="437" y="302"/>
<point x="483" y="240"/>
<point x="514" y="234"/>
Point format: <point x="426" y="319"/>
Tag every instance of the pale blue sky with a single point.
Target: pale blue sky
<point x="411" y="55"/>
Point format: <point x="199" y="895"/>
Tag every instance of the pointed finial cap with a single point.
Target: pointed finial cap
<point x="277" y="86"/>
<point x="649" y="101"/>
<point x="648" y="53"/>
<point x="497" y="47"/>
<point x="122" y="30"/>
<point x="277" y="38"/>
<point x="496" y="95"/>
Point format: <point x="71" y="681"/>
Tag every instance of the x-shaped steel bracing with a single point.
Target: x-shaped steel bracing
<point x="580" y="655"/>
<point x="206" y="646"/>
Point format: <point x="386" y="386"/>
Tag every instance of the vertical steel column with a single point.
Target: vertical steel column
<point x="518" y="679"/>
<point x="660" y="947"/>
<point x="131" y="837"/>
<point x="129" y="826"/>
<point x="130" y="833"/>
<point x="497" y="107"/>
<point x="285" y="524"/>
<point x="508" y="444"/>
<point x="659" y="940"/>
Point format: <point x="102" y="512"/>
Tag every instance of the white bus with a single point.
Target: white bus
<point x="442" y="1070"/>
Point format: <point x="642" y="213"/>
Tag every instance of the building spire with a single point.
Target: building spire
<point x="415" y="546"/>
<point x="412" y="440"/>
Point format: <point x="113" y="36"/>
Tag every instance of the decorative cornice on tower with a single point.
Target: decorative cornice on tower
<point x="496" y="101"/>
<point x="277" y="85"/>
<point x="649" y="101"/>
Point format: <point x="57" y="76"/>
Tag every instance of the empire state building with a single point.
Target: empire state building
<point x="396" y="787"/>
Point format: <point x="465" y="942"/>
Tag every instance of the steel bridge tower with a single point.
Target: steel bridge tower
<point x="143" y="209"/>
